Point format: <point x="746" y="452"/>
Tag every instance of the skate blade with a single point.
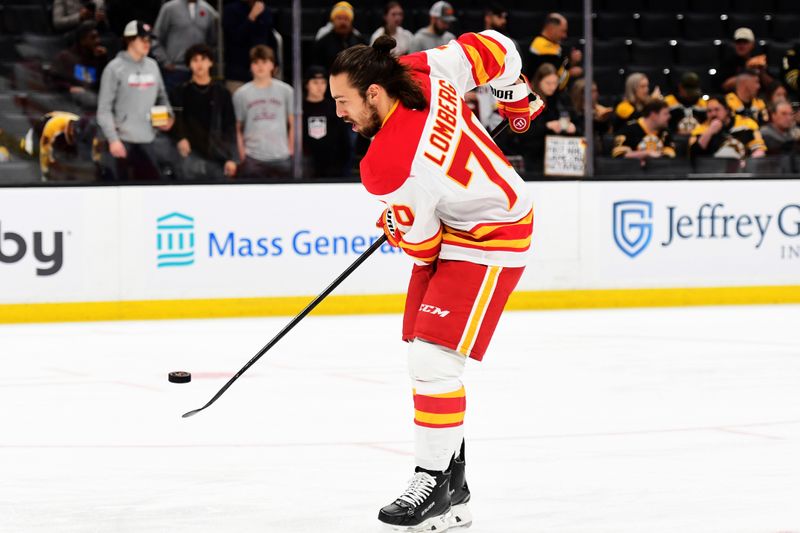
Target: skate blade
<point x="435" y="524"/>
<point x="460" y="516"/>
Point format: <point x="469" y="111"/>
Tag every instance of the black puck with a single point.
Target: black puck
<point x="180" y="377"/>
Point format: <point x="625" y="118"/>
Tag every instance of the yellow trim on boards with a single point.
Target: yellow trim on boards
<point x="388" y="303"/>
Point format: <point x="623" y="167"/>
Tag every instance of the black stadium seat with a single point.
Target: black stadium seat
<point x="785" y="28"/>
<point x="704" y="26"/>
<point x="609" y="80"/>
<point x="654" y="53"/>
<point x="708" y="82"/>
<point x="31" y="18"/>
<point x="698" y="53"/>
<point x="612" y="53"/>
<point x="660" y="26"/>
<point x="525" y="25"/>
<point x="614" y="25"/>
<point x="710" y="6"/>
<point x="673" y="6"/>
<point x="622" y="6"/>
<point x="748" y="6"/>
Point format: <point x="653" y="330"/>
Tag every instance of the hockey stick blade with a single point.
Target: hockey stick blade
<point x="368" y="252"/>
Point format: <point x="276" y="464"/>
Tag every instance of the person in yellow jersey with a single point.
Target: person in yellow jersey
<point x="744" y="99"/>
<point x="648" y="136"/>
<point x="726" y="134"/>
<point x="547" y="48"/>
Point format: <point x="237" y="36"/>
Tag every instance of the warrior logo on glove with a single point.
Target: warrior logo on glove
<point x="514" y="104"/>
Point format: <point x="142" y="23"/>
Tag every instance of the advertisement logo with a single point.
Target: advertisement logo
<point x="13" y="248"/>
<point x="633" y="225"/>
<point x="175" y="240"/>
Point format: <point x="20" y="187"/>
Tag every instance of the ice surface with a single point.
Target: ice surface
<point x="658" y="420"/>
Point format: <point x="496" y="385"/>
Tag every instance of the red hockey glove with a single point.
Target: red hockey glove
<point x="387" y="224"/>
<point x="514" y="105"/>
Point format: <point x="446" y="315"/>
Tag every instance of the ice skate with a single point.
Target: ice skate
<point x="460" y="517"/>
<point x="424" y="506"/>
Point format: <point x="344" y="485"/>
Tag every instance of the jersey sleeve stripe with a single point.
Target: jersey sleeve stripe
<point x="486" y="56"/>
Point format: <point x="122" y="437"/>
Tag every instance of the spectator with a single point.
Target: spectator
<point x="68" y="14"/>
<point x="554" y="120"/>
<point x="436" y="33"/>
<point x="725" y="134"/>
<point x="687" y="109"/>
<point x="180" y="24"/>
<point x="602" y="114"/>
<point x="637" y="93"/>
<point x="64" y="144"/>
<point x="264" y="120"/>
<point x="781" y="134"/>
<point x="744" y="100"/>
<point x="776" y="93"/>
<point x="743" y="56"/>
<point x="341" y="36"/>
<point x="790" y="67"/>
<point x="648" y="136"/>
<point x="77" y="69"/>
<point x="495" y="17"/>
<point x="393" y="26"/>
<point x="325" y="136"/>
<point x="546" y="48"/>
<point x="245" y="24"/>
<point x="205" y="124"/>
<point x="131" y="104"/>
<point x="328" y="26"/>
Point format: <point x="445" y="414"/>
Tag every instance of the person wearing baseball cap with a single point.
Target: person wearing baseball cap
<point x="743" y="56"/>
<point x="436" y="33"/>
<point x="132" y="104"/>
<point x="687" y="109"/>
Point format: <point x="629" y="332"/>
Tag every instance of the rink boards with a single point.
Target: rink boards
<point x="89" y="253"/>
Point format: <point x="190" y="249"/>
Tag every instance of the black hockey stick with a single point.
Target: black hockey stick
<point x="310" y="307"/>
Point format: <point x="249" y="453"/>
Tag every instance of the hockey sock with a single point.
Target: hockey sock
<point x="439" y="403"/>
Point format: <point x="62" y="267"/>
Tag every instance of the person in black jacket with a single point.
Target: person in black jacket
<point x="325" y="137"/>
<point x="205" y="126"/>
<point x="245" y="24"/>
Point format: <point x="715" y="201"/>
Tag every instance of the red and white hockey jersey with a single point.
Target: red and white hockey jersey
<point x="453" y="192"/>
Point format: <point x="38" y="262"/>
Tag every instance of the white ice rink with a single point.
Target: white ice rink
<point x="656" y="420"/>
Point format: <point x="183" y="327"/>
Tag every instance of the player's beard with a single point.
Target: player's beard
<point x="372" y="122"/>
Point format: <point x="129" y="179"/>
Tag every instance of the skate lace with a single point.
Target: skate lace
<point x="419" y="488"/>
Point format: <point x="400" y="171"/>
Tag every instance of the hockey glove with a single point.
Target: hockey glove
<point x="514" y="105"/>
<point x="387" y="223"/>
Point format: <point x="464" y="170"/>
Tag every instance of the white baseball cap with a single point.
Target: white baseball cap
<point x="137" y="28"/>
<point x="744" y="34"/>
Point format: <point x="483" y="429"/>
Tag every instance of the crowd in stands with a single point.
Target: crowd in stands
<point x="136" y="92"/>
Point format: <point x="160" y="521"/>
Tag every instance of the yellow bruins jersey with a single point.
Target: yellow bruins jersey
<point x="740" y="139"/>
<point x="683" y="117"/>
<point x="53" y="131"/>
<point x="756" y="109"/>
<point x="543" y="50"/>
<point x="636" y="136"/>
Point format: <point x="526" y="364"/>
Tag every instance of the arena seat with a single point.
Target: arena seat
<point x="658" y="53"/>
<point x="660" y="26"/>
<point x="704" y="26"/>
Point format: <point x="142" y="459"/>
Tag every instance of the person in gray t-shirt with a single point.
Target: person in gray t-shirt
<point x="435" y="34"/>
<point x="264" y="120"/>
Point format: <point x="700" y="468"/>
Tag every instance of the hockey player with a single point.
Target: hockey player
<point x="458" y="208"/>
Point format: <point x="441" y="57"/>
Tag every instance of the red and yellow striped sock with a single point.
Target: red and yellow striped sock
<point x="441" y="410"/>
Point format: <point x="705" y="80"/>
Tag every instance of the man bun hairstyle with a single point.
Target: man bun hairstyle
<point x="365" y="65"/>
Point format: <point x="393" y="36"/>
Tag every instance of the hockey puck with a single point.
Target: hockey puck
<point x="180" y="377"/>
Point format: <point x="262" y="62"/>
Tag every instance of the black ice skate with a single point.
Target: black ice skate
<point x="424" y="506"/>
<point x="459" y="492"/>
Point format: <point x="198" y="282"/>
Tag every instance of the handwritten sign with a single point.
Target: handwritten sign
<point x="564" y="156"/>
